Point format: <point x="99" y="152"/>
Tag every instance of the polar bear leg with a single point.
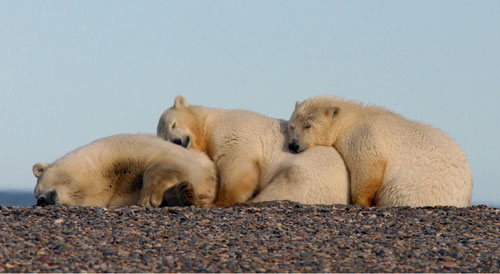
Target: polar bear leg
<point x="157" y="179"/>
<point x="366" y="180"/>
<point x="238" y="181"/>
<point x="181" y="194"/>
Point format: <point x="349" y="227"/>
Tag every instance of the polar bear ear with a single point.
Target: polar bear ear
<point x="332" y="111"/>
<point x="39" y="168"/>
<point x="297" y="103"/>
<point x="180" y="102"/>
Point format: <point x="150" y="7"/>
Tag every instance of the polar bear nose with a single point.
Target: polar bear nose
<point x="293" y="146"/>
<point x="177" y="141"/>
<point x="48" y="198"/>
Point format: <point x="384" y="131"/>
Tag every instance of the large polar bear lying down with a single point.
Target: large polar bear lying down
<point x="392" y="161"/>
<point x="127" y="169"/>
<point x="250" y="153"/>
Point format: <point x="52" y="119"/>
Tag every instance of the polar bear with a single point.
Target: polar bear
<point x="252" y="160"/>
<point x="392" y="161"/>
<point x="127" y="169"/>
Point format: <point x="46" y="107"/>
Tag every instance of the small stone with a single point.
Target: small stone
<point x="449" y="264"/>
<point x="123" y="252"/>
<point x="442" y="251"/>
<point x="58" y="221"/>
<point x="43" y="258"/>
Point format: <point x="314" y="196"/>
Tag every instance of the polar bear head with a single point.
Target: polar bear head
<point x="315" y="121"/>
<point x="55" y="185"/>
<point x="180" y="125"/>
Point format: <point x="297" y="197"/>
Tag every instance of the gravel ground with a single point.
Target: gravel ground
<point x="266" y="237"/>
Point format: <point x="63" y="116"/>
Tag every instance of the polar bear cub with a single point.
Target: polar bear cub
<point x="127" y="169"/>
<point x="252" y="161"/>
<point x="392" y="161"/>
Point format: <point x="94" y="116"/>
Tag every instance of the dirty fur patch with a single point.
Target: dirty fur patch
<point x="125" y="176"/>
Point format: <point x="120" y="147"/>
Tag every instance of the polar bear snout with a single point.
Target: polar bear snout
<point x="177" y="141"/>
<point x="182" y="142"/>
<point x="47" y="198"/>
<point x="293" y="146"/>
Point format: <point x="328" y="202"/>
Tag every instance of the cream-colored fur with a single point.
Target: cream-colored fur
<point x="392" y="161"/>
<point x="249" y="152"/>
<point x="126" y="169"/>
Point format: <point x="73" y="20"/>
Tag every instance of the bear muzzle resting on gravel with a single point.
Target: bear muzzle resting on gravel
<point x="127" y="169"/>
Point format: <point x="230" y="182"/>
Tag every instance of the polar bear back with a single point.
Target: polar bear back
<point x="316" y="176"/>
<point x="427" y="166"/>
<point x="140" y="149"/>
<point x="249" y="133"/>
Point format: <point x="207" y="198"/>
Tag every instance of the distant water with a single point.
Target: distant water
<point x="17" y="198"/>
<point x="26" y="198"/>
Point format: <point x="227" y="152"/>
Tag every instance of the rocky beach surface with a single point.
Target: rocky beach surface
<point x="265" y="237"/>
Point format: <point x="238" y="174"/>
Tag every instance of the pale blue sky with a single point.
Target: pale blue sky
<point x="75" y="71"/>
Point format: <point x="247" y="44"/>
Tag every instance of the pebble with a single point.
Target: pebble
<point x="265" y="237"/>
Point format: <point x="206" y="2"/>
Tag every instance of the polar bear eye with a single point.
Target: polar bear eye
<point x="307" y="126"/>
<point x="173" y="125"/>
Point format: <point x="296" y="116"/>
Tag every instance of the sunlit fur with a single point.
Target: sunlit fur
<point x="187" y="124"/>
<point x="127" y="169"/>
<point x="392" y="161"/>
<point x="251" y="158"/>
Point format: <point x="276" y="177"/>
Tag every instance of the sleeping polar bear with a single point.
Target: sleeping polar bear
<point x="392" y="161"/>
<point x="127" y="169"/>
